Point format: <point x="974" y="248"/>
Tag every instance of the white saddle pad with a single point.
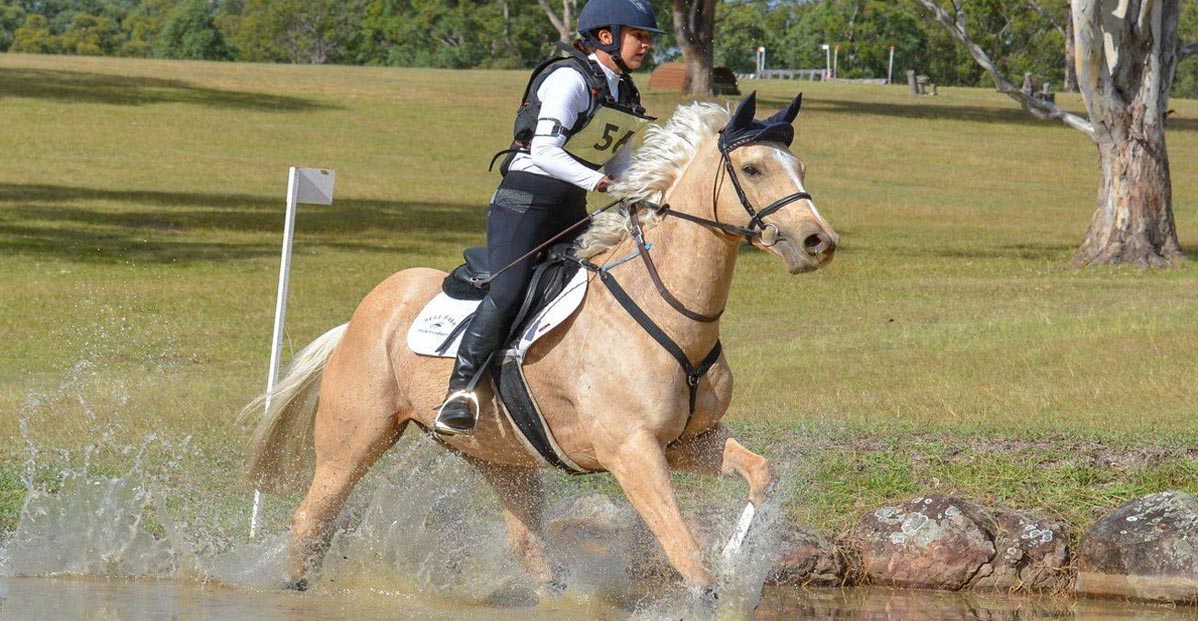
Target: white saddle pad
<point x="437" y="320"/>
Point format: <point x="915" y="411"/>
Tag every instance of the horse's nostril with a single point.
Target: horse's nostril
<point x="815" y="243"/>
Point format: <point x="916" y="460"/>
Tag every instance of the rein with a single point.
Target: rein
<point x="486" y="281"/>
<point x="767" y="233"/>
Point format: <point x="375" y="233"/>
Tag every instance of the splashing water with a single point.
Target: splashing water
<point x="120" y="502"/>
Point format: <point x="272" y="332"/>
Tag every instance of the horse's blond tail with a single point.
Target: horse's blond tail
<point x="281" y="449"/>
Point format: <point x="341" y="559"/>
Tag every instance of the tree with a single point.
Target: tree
<point x="190" y="33"/>
<point x="1127" y="52"/>
<point x="142" y="26"/>
<point x="1058" y="14"/>
<point x="298" y="31"/>
<point x="740" y="29"/>
<point x="694" y="30"/>
<point x="1185" y="83"/>
<point x="11" y="17"/>
<point x="564" y="23"/>
<point x="90" y="35"/>
<point x="34" y="36"/>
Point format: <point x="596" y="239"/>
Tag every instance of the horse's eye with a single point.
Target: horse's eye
<point x="751" y="170"/>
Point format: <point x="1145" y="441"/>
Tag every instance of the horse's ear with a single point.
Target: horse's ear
<point x="744" y="112"/>
<point x="789" y="114"/>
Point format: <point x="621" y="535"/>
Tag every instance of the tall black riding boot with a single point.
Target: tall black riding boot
<point x="485" y="334"/>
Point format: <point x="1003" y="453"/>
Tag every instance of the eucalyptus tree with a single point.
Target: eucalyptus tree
<point x="564" y="22"/>
<point x="694" y="32"/>
<point x="1057" y="13"/>
<point x="1127" y="52"/>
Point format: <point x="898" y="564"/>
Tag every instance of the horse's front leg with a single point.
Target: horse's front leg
<point x="716" y="452"/>
<point x="639" y="464"/>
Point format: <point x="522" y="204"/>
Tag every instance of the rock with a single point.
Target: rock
<point x="601" y="538"/>
<point x="937" y="542"/>
<point x="806" y="559"/>
<point x="1032" y="554"/>
<point x="1145" y="549"/>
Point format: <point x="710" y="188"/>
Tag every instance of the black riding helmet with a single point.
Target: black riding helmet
<point x="614" y="15"/>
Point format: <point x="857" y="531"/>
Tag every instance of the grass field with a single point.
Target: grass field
<point x="947" y="348"/>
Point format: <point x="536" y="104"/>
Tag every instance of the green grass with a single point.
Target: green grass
<point x="947" y="348"/>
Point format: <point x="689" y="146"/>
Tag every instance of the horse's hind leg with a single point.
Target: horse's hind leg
<point x="346" y="446"/>
<point x="522" y="496"/>
<point x="716" y="452"/>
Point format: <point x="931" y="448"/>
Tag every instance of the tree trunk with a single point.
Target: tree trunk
<point x="1127" y="52"/>
<point x="564" y="24"/>
<point x="1070" y="56"/>
<point x="698" y="72"/>
<point x="1133" y="223"/>
<point x="694" y="28"/>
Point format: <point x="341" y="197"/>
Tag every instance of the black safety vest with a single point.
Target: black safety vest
<point x="628" y="99"/>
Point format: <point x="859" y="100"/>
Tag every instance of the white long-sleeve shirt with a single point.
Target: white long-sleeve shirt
<point x="564" y="96"/>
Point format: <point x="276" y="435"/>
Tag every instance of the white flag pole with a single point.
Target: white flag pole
<point x="890" y="67"/>
<point x="276" y="343"/>
<point x="307" y="185"/>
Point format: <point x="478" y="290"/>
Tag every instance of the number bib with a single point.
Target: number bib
<point x="610" y="129"/>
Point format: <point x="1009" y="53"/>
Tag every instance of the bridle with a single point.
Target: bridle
<point x="766" y="233"/>
<point x="757" y="228"/>
<point x="756" y="218"/>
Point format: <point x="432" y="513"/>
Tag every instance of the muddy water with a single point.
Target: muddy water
<point x="421" y="538"/>
<point x="55" y="599"/>
<point x="893" y="605"/>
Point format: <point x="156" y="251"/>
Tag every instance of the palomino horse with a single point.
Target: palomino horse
<point x="615" y="400"/>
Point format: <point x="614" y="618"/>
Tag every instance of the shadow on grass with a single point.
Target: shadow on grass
<point x="933" y="111"/>
<point x="1033" y="252"/>
<point x="100" y="88"/>
<point x="170" y="227"/>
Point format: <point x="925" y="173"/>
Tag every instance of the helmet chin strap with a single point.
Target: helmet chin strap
<point x="613" y="49"/>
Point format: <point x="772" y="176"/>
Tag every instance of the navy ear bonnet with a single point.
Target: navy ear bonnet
<point x="743" y="129"/>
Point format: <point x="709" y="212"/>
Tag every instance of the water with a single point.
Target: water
<point x="129" y="524"/>
<point x="55" y="599"/>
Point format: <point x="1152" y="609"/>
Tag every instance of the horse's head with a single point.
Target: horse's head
<point x="760" y="187"/>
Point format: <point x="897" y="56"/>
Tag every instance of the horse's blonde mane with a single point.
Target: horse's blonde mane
<point x="654" y="169"/>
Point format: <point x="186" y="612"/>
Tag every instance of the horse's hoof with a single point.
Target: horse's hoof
<point x="706" y="602"/>
<point x="513" y="596"/>
<point x="300" y="585"/>
<point x="552" y="589"/>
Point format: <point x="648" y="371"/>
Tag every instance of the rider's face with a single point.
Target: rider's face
<point x="634" y="44"/>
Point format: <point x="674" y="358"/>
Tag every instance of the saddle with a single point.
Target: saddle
<point x="554" y="293"/>
<point x="469" y="281"/>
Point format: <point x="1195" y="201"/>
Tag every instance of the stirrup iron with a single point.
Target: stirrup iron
<point x="466" y="395"/>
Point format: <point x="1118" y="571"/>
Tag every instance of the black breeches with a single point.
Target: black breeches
<point x="527" y="210"/>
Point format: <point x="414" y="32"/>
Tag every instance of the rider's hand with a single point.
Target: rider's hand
<point x="603" y="184"/>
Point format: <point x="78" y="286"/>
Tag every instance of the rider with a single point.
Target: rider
<point x="577" y="116"/>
